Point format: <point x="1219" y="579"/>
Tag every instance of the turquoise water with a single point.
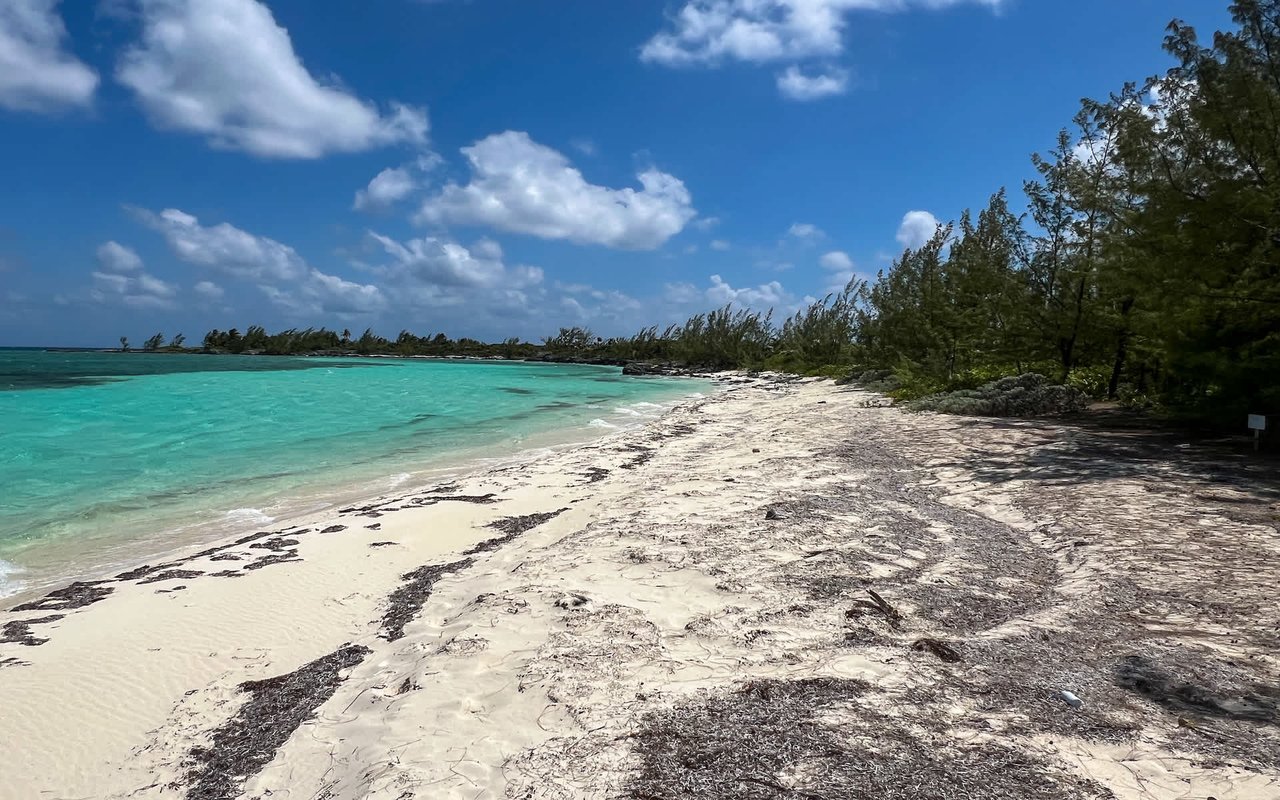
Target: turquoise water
<point x="100" y="452"/>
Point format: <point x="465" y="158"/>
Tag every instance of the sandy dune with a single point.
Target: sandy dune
<point x="784" y="590"/>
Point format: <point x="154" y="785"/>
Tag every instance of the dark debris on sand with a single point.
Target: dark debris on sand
<point x="275" y="709"/>
<point x="820" y="739"/>
<point x="406" y="602"/>
<point x="275" y="544"/>
<point x="69" y="598"/>
<point x="18" y="631"/>
<point x="512" y="527"/>
<point x="172" y="574"/>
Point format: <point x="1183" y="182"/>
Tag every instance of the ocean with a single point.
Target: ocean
<point x="107" y="457"/>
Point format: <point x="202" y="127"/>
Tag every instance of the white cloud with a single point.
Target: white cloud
<point x="442" y="263"/>
<point x="225" y="69"/>
<point x="585" y="146"/>
<point x="705" y="223"/>
<point x="805" y="231"/>
<point x="276" y="269"/>
<point x="36" y="73"/>
<point x="121" y="280"/>
<point x="115" y="257"/>
<point x="917" y="228"/>
<point x="836" y="260"/>
<point x="762" y="297"/>
<point x="386" y="188"/>
<point x="681" y="294"/>
<point x="227" y="249"/>
<point x="758" y="31"/>
<point x="796" y="85"/>
<point x="519" y="185"/>
<point x="719" y="244"/>
<point x="712" y="32"/>
<point x="209" y="290"/>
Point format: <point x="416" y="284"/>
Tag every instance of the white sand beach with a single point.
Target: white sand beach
<point x="786" y="589"/>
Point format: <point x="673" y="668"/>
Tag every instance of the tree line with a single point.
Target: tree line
<point x="1144" y="267"/>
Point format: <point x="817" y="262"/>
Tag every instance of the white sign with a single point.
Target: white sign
<point x="1257" y="422"/>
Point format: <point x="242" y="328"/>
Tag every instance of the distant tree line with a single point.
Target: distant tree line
<point x="1146" y="266"/>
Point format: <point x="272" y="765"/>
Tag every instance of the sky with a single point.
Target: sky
<point x="495" y="168"/>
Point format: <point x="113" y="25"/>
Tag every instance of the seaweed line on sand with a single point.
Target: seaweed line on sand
<point x="406" y="602"/>
<point x="275" y="709"/>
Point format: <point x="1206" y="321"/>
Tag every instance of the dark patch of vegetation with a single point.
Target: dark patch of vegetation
<point x="274" y="544"/>
<point x="814" y="739"/>
<point x="69" y="598"/>
<point x="280" y="557"/>
<point x="406" y="602"/>
<point x="172" y="574"/>
<point x="1024" y="396"/>
<point x="275" y="709"/>
<point x="512" y="527"/>
<point x="18" y="631"/>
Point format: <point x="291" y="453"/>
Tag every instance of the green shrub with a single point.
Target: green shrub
<point x="1029" y="395"/>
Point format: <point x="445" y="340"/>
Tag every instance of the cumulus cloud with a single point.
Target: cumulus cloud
<point x="917" y="228"/>
<point x="762" y="297"/>
<point x="387" y="187"/>
<point x="226" y="70"/>
<point x="521" y="186"/>
<point x="714" y="31"/>
<point x="396" y="183"/>
<point x="442" y="263"/>
<point x="796" y="85"/>
<point x="121" y="279"/>
<point x="115" y="257"/>
<point x="36" y="72"/>
<point x="805" y="231"/>
<point x="226" y="248"/>
<point x="209" y="290"/>
<point x="275" y="268"/>
<point x="836" y="260"/>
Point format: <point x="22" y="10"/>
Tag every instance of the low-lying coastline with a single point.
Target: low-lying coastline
<point x="787" y="589"/>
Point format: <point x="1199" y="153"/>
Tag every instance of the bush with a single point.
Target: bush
<point x="1028" y="395"/>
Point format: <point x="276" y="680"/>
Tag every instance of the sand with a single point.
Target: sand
<point x="787" y="589"/>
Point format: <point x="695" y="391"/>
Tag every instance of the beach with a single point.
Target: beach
<point x="787" y="588"/>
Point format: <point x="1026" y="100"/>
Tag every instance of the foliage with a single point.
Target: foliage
<point x="1027" y="395"/>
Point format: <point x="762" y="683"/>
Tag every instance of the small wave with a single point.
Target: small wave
<point x="9" y="585"/>
<point x="627" y="412"/>
<point x="599" y="423"/>
<point x="249" y="515"/>
<point x="399" y="479"/>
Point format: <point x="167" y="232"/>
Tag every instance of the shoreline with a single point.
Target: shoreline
<point x="170" y="542"/>
<point x="786" y="588"/>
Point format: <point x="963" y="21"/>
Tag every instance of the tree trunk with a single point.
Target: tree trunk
<point x="1122" y="350"/>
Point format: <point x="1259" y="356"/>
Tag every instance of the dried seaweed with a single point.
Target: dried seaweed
<point x="282" y="557"/>
<point x="70" y="597"/>
<point x="406" y="602"/>
<point x="18" y="631"/>
<point x="172" y="574"/>
<point x="275" y="709"/>
<point x="814" y="739"/>
<point x="595" y="474"/>
<point x="275" y="544"/>
<point x="512" y="527"/>
<point x="334" y="529"/>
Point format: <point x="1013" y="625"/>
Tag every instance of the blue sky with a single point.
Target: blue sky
<point x="504" y="167"/>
